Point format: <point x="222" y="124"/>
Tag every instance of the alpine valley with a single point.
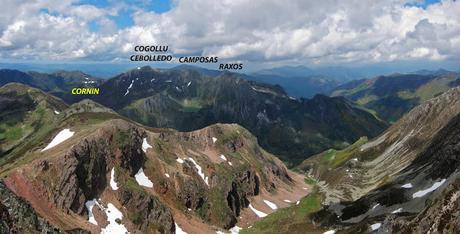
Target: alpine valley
<point x="188" y="150"/>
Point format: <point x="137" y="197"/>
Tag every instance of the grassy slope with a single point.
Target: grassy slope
<point x="293" y="219"/>
<point x="364" y="96"/>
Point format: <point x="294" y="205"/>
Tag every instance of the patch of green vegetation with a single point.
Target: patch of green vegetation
<point x="366" y="99"/>
<point x="10" y="133"/>
<point x="344" y="155"/>
<point x="432" y="88"/>
<point x="293" y="219"/>
<point x="329" y="155"/>
<point x="121" y="137"/>
<point x="132" y="186"/>
<point x="191" y="105"/>
<point x="309" y="180"/>
<point x="406" y="94"/>
<point x="348" y="92"/>
<point x="135" y="217"/>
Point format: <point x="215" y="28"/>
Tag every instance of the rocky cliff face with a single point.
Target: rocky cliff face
<point x="209" y="176"/>
<point x="17" y="216"/>
<point x="81" y="175"/>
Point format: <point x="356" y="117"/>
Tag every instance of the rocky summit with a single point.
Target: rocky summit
<point x="95" y="171"/>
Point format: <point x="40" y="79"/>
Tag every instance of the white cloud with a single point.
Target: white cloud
<point x="330" y="31"/>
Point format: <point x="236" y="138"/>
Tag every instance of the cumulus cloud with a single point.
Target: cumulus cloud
<point x="322" y="32"/>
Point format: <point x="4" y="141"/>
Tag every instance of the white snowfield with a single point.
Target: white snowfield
<point x="214" y="140"/>
<point x="59" y="138"/>
<point x="408" y="185"/>
<point x="329" y="232"/>
<point x="89" y="206"/>
<point x="270" y="204"/>
<point x="424" y="192"/>
<point x="200" y="171"/>
<point x="399" y="210"/>
<point x="375" y="206"/>
<point x="179" y="230"/>
<point x="113" y="183"/>
<point x="145" y="145"/>
<point x="257" y="212"/>
<point x="142" y="179"/>
<point x="56" y="112"/>
<point x="112" y="215"/>
<point x="235" y="230"/>
<point x="129" y="87"/>
<point x="223" y="157"/>
<point x="179" y="160"/>
<point x="375" y="226"/>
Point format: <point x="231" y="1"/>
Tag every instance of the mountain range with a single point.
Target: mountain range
<point x="390" y="97"/>
<point x="186" y="150"/>
<point x="187" y="100"/>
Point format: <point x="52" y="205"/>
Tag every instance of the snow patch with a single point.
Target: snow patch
<point x="89" y="206"/>
<point x="214" y="140"/>
<point x="408" y="185"/>
<point x="189" y="83"/>
<point x="424" y="192"/>
<point x="230" y="163"/>
<point x="142" y="179"/>
<point x="59" y="138"/>
<point x="399" y="210"/>
<point x="200" y="171"/>
<point x="375" y="226"/>
<point x="145" y="145"/>
<point x="298" y="202"/>
<point x="375" y="206"/>
<point x="113" y="183"/>
<point x="260" y="214"/>
<point x="235" y="230"/>
<point x="288" y="201"/>
<point x="179" y="230"/>
<point x="272" y="205"/>
<point x="179" y="160"/>
<point x="113" y="214"/>
<point x="129" y="87"/>
<point x="56" y="112"/>
<point x="167" y="175"/>
<point x="223" y="157"/>
<point x="329" y="232"/>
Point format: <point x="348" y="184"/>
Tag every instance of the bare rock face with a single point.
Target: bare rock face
<point x="82" y="176"/>
<point x="245" y="185"/>
<point x="83" y="170"/>
<point x="147" y="212"/>
<point x="191" y="193"/>
<point x="17" y="216"/>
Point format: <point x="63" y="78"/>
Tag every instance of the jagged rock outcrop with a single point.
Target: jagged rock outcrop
<point x="17" y="216"/>
<point x="245" y="185"/>
<point x="81" y="176"/>
<point x="85" y="167"/>
<point x="147" y="212"/>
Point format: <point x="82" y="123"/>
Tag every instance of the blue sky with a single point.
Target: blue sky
<point x="124" y="17"/>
